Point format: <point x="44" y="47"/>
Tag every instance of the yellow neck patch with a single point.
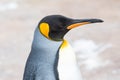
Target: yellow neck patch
<point x="64" y="44"/>
<point x="44" y="29"/>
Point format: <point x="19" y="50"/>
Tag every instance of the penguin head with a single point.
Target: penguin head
<point x="54" y="27"/>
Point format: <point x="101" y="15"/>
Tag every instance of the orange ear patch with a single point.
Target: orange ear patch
<point x="44" y="29"/>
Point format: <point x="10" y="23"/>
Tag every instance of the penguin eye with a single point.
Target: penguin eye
<point x="63" y="21"/>
<point x="61" y="27"/>
<point x="57" y="27"/>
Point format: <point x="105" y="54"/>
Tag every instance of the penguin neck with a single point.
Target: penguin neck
<point x="46" y="52"/>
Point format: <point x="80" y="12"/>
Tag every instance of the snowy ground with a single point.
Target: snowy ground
<point x="97" y="46"/>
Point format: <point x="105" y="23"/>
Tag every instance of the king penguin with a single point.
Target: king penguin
<point x="51" y="56"/>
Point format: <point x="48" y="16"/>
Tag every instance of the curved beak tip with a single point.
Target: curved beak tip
<point x="96" y="21"/>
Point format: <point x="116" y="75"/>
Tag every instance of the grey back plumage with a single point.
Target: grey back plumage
<point x="42" y="61"/>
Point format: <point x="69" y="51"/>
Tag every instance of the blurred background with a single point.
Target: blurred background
<point x="97" y="46"/>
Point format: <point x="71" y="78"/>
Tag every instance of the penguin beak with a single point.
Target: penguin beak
<point x="79" y="22"/>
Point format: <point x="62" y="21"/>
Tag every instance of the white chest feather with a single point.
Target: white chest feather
<point x="67" y="65"/>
